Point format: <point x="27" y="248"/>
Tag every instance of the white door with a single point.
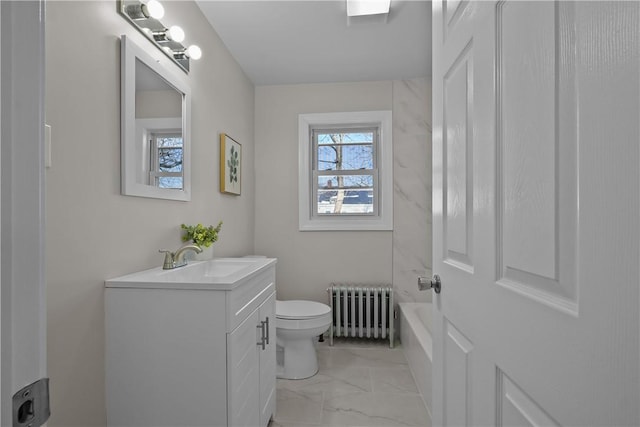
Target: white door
<point x="22" y="297"/>
<point x="536" y="203"/>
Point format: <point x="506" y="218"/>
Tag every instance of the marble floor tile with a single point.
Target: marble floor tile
<point x="276" y="423"/>
<point x="298" y="407"/>
<point x="395" y="379"/>
<point x="334" y="380"/>
<point x="360" y="384"/>
<point x="361" y="357"/>
<point x="374" y="409"/>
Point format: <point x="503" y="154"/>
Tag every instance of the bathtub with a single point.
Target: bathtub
<point x="415" y="335"/>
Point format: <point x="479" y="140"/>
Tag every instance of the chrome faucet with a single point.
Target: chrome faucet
<point x="176" y="259"/>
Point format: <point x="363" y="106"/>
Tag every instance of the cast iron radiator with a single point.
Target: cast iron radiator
<point x="361" y="311"/>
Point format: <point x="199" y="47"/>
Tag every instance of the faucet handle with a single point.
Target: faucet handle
<point x="168" y="259"/>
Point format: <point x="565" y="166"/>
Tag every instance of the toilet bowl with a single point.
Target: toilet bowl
<point x="298" y="323"/>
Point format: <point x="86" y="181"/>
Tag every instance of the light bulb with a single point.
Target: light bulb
<point x="154" y="9"/>
<point x="176" y="34"/>
<point x="194" y="52"/>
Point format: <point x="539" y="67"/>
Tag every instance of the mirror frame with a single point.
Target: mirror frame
<point x="129" y="161"/>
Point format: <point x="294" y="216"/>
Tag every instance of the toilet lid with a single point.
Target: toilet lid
<point x="295" y="309"/>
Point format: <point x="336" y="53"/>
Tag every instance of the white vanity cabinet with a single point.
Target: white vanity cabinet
<point x="186" y="350"/>
<point x="268" y="363"/>
<point x="249" y="365"/>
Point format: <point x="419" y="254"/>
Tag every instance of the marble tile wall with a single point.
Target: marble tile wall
<point x="412" y="187"/>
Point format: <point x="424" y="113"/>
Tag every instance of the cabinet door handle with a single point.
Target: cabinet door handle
<point x="267" y="327"/>
<point x="262" y="337"/>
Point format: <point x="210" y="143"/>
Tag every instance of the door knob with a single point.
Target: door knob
<point x="425" y="283"/>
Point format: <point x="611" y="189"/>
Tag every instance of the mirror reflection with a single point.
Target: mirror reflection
<point x="159" y="128"/>
<point x="155" y="127"/>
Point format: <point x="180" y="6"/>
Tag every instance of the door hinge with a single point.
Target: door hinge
<point x="31" y="404"/>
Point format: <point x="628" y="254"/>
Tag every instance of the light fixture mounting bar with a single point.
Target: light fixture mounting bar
<point x="134" y="12"/>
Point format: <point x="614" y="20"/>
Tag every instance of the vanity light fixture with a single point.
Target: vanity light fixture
<point x="194" y="52"/>
<point x="151" y="9"/>
<point x="145" y="15"/>
<point x="174" y="33"/>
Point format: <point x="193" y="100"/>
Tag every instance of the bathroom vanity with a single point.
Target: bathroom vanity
<point x="193" y="346"/>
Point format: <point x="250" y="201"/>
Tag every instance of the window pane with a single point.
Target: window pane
<point x="169" y="141"/>
<point x="345" y="157"/>
<point x="174" y="182"/>
<point x="170" y="159"/>
<point x="326" y="158"/>
<point x="347" y="182"/>
<point x="345" y="138"/>
<point x="350" y="194"/>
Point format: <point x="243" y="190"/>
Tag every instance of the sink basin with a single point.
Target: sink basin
<point x="221" y="273"/>
<point x="224" y="267"/>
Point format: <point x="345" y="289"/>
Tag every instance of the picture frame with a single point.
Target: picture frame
<point x="230" y="165"/>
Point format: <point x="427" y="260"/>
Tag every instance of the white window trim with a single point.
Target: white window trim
<point x="144" y="129"/>
<point x="155" y="173"/>
<point x="384" y="219"/>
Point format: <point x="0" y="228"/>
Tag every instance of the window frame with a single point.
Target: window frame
<point x="373" y="172"/>
<point x="382" y="217"/>
<point x="154" y="162"/>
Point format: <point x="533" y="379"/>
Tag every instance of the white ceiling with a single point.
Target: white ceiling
<point x="310" y="41"/>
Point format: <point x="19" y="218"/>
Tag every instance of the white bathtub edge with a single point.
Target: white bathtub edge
<point x="417" y="346"/>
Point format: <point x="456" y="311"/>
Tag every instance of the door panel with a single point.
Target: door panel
<point x="526" y="53"/>
<point x="518" y="409"/>
<point x="458" y="158"/>
<point x="454" y="10"/>
<point x="536" y="151"/>
<point x="536" y="200"/>
<point x="457" y="370"/>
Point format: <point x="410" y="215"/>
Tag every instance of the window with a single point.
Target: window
<point x="165" y="170"/>
<point x="345" y="171"/>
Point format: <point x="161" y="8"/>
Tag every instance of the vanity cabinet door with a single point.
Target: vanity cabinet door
<point x="268" y="362"/>
<point x="243" y="373"/>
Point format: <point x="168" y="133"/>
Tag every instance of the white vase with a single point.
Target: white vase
<point x="205" y="255"/>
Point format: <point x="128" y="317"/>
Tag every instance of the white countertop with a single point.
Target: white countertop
<point x="216" y="274"/>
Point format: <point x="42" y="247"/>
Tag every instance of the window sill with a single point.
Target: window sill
<point x="345" y="224"/>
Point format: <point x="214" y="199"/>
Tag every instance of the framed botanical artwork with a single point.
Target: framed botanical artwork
<point x="230" y="165"/>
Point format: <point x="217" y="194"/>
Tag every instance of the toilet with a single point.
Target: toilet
<point x="298" y="323"/>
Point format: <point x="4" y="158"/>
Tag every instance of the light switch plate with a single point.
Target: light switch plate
<point x="47" y="146"/>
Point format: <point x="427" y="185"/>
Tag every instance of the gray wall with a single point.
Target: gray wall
<point x="309" y="261"/>
<point x="94" y="233"/>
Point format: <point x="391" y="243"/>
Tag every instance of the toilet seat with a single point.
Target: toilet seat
<point x="300" y="310"/>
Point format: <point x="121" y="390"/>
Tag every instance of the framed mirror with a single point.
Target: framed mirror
<point x="155" y="127"/>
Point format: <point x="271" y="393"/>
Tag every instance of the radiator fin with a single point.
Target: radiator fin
<point x="361" y="311"/>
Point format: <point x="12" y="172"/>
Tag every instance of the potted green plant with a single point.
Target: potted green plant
<point x="202" y="236"/>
